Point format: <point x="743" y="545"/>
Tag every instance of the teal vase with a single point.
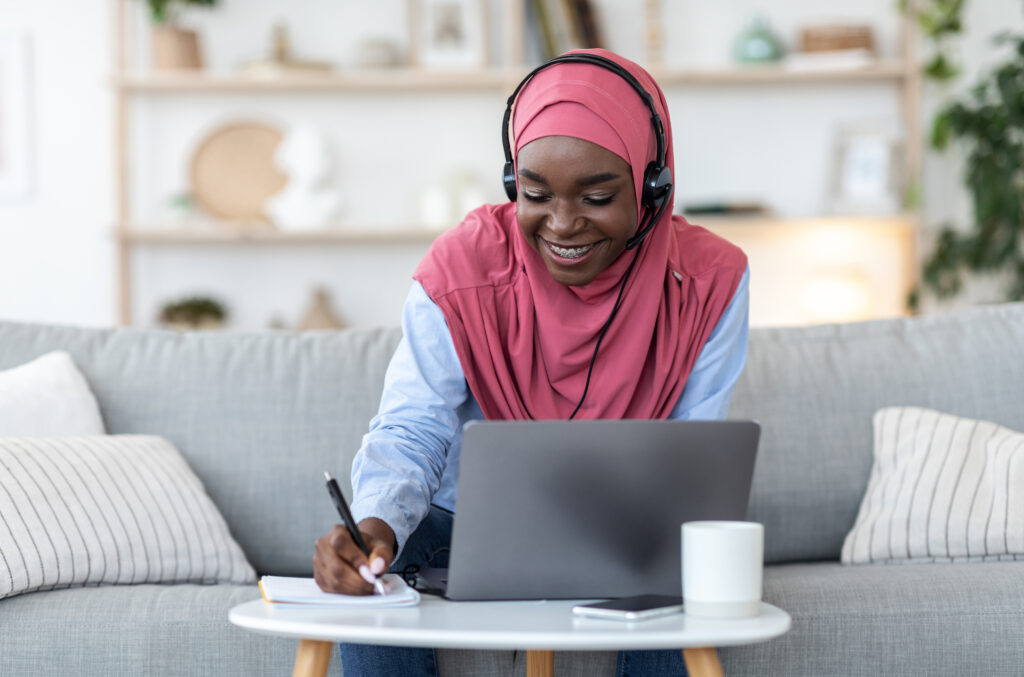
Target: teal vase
<point x="757" y="43"/>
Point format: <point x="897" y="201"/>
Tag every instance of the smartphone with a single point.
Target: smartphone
<point x="635" y="608"/>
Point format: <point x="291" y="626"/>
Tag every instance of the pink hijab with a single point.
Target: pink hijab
<point x="525" y="340"/>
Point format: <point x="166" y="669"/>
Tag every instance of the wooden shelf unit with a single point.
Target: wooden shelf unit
<point x="128" y="83"/>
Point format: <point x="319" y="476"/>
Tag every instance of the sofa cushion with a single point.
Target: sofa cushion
<point x="815" y="389"/>
<point x="116" y="631"/>
<point x="107" y="509"/>
<point x="942" y="488"/>
<point x="183" y="630"/>
<point x="915" y="620"/>
<point x="912" y="620"/>
<point x="47" y="396"/>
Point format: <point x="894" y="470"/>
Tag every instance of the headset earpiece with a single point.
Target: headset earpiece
<point x="657" y="185"/>
<point x="508" y="177"/>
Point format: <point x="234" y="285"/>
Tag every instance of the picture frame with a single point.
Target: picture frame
<point x="448" y="34"/>
<point x="15" y="117"/>
<point x="868" y="176"/>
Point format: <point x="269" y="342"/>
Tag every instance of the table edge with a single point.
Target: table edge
<point x="780" y="623"/>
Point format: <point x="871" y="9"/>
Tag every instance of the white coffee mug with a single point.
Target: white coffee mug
<point x="723" y="564"/>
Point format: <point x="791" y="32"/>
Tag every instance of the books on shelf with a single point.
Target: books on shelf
<point x="562" y="25"/>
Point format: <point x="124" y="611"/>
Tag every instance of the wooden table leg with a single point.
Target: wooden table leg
<point x="540" y="663"/>
<point x="312" y="658"/>
<point x="703" y="662"/>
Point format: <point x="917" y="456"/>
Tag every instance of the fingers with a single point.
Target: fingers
<point x="380" y="555"/>
<point x="336" y="564"/>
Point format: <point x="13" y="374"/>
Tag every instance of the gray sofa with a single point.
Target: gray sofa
<point x="259" y="417"/>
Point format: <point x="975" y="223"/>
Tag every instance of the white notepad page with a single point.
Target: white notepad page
<point x="286" y="590"/>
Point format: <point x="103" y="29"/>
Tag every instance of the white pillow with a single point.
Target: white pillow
<point x="942" y="489"/>
<point x="47" y="396"/>
<point x="107" y="509"/>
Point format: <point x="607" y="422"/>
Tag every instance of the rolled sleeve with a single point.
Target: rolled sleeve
<point x="399" y="466"/>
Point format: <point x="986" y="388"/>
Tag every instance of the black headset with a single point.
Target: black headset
<point x="657" y="181"/>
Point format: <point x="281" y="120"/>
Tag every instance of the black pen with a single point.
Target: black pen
<point x="346" y="516"/>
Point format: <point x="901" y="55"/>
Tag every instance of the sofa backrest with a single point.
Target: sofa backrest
<point x="815" y="390"/>
<point x="259" y="417"/>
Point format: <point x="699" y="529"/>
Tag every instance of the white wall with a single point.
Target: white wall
<point x="57" y="255"/>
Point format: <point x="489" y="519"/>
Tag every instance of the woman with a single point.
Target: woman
<point x="584" y="297"/>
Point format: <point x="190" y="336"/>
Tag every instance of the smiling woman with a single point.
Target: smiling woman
<point x="582" y="297"/>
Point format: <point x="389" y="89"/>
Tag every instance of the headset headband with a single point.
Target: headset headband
<point x="601" y="62"/>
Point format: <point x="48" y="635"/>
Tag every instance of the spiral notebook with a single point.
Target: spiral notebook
<point x="286" y="590"/>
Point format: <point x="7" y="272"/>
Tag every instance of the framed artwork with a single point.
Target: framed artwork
<point x="867" y="175"/>
<point x="15" y="136"/>
<point x="449" y="34"/>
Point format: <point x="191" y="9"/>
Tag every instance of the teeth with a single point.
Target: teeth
<point x="571" y="253"/>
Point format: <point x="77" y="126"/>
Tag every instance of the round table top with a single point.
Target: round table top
<point x="549" y="624"/>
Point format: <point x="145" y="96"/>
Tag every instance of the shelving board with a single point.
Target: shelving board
<point x="397" y="80"/>
<point x="270" y="236"/>
<point x="882" y="70"/>
<point x="761" y="223"/>
<point x="404" y="80"/>
<point x="356" y="234"/>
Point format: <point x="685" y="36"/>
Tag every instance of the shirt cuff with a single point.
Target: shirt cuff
<point x="385" y="509"/>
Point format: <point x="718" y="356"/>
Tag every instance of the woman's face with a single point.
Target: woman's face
<point x="576" y="205"/>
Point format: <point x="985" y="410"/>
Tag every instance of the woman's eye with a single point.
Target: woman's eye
<point x="535" y="197"/>
<point x="598" y="201"/>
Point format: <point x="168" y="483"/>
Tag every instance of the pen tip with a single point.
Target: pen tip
<point x="327" y="475"/>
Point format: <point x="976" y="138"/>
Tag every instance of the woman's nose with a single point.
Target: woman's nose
<point x="563" y="218"/>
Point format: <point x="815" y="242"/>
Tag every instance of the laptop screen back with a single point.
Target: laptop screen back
<point x="586" y="509"/>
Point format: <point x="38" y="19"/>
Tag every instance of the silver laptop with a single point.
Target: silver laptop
<point x="587" y="509"/>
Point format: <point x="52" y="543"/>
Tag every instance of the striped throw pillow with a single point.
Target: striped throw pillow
<point x="107" y="509"/>
<point x="942" y="489"/>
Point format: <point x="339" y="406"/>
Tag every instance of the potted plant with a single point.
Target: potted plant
<point x="194" y="312"/>
<point x="174" y="48"/>
<point x="988" y="122"/>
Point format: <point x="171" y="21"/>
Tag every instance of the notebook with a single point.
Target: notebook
<point x="589" y="509"/>
<point x="286" y="590"/>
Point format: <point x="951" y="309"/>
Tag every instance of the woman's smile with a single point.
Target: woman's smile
<point x="570" y="255"/>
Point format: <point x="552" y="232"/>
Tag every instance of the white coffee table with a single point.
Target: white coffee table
<point x="539" y="627"/>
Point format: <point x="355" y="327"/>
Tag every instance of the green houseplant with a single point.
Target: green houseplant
<point x="166" y="11"/>
<point x="989" y="123"/>
<point x="194" y="312"/>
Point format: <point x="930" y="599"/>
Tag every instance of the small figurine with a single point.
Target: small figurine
<point x="320" y="315"/>
<point x="307" y="201"/>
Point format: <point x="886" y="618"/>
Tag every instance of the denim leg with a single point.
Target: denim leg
<point x="426" y="547"/>
<point x="651" y="664"/>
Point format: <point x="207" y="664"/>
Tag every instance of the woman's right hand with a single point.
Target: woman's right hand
<point x="340" y="566"/>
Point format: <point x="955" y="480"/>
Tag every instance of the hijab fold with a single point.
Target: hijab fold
<point x="524" y="340"/>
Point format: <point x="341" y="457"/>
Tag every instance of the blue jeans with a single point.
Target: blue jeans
<point x="428" y="547"/>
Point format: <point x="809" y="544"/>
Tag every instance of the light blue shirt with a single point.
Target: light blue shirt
<point x="410" y="457"/>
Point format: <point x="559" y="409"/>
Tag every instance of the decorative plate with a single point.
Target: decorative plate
<point x="233" y="171"/>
